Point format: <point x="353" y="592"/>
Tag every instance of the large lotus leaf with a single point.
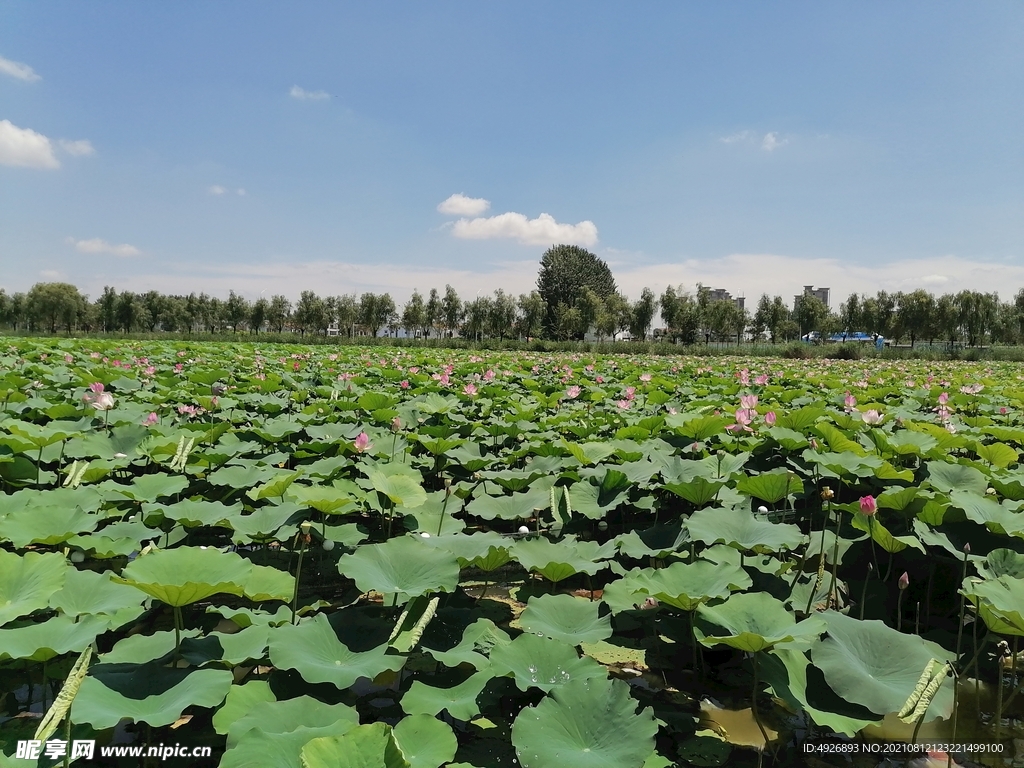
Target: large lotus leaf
<point x="844" y="464"/>
<point x="542" y="663"/>
<point x="514" y="507"/>
<point x="323" y="498"/>
<point x="950" y="477"/>
<point x="995" y="516"/>
<point x="274" y="488"/>
<point x="459" y="701"/>
<point x="268" y="583"/>
<point x="153" y="487"/>
<point x="687" y="585"/>
<point x="264" y="523"/>
<point x="281" y="750"/>
<point x="898" y="498"/>
<point x="139" y="649"/>
<point x="192" y="513"/>
<point x="436" y="516"/>
<point x="365" y="746"/>
<point x="570" y="619"/>
<point x="1001" y="562"/>
<point x="240" y="700"/>
<point x="404" y="566"/>
<point x="871" y="664"/>
<point x="997" y="454"/>
<point x="187" y="574"/>
<point x="753" y="621"/>
<point x="772" y="486"/>
<point x="268" y="716"/>
<point x="740" y="529"/>
<point x="485" y="550"/>
<point x="590" y="453"/>
<point x="786" y="671"/>
<point x="313" y="649"/>
<point x="698" y="491"/>
<point x="48" y="525"/>
<point x="882" y="535"/>
<point x="837" y="441"/>
<point x="39" y="436"/>
<point x="907" y="443"/>
<point x="697" y="426"/>
<point x="558" y="560"/>
<point x="55" y="637"/>
<point x="402" y="490"/>
<point x="102" y="707"/>
<point x="477" y="641"/>
<point x="27" y="582"/>
<point x="593" y="501"/>
<point x="1000" y="603"/>
<point x="425" y="741"/>
<point x="238" y="476"/>
<point x="585" y="724"/>
<point x="86" y="592"/>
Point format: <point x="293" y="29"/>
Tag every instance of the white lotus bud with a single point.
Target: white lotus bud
<point x="77" y="556"/>
<point x="762" y="510"/>
<point x="328" y="545"/>
<point x="425" y="535"/>
<point x="523" y="529"/>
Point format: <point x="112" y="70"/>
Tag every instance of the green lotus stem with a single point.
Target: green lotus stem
<point x="888" y="568"/>
<point x="487" y="584"/>
<point x="753" y="705"/>
<point x="956" y="709"/>
<point x="899" y="612"/>
<point x="39" y="461"/>
<point x="440" y="523"/>
<point x="864" y="590"/>
<point x="917" y="620"/>
<point x="871" y="538"/>
<point x="178" y="626"/>
<point x="963" y="606"/>
<point x="298" y="576"/>
<point x="999" y="692"/>
<point x="834" y="596"/>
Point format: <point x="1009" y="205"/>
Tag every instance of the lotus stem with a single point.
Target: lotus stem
<point x="871" y="538"/>
<point x="1000" y="663"/>
<point x="39" y="462"/>
<point x="440" y="523"/>
<point x="864" y="591"/>
<point x="917" y="619"/>
<point x="298" y="572"/>
<point x="899" y="612"/>
<point x="834" y="594"/>
<point x="956" y="709"/>
<point x="753" y="705"/>
<point x="487" y="584"/>
<point x="888" y="568"/>
<point x="67" y="740"/>
<point x="178" y="625"/>
<point x="963" y="607"/>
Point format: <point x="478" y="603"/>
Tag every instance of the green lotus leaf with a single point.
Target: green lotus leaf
<point x="192" y="513"/>
<point x="836" y="440"/>
<point x="365" y="746"/>
<point x="425" y="741"/>
<point x="517" y="506"/>
<point x="559" y="560"/>
<point x="752" y="622"/>
<point x="871" y="664"/>
<point x="595" y="501"/>
<point x="281" y="750"/>
<point x="312" y="648"/>
<point x="102" y="707"/>
<point x="740" y="529"/>
<point x="907" y="443"/>
<point x="459" y="701"/>
<point x="274" y="488"/>
<point x="988" y="512"/>
<point x="267" y="522"/>
<point x="585" y="724"/>
<point x="323" y="498"/>
<point x="86" y="592"/>
<point x="187" y="575"/>
<point x="478" y="639"/>
<point x="882" y="536"/>
<point x="486" y="550"/>
<point x="898" y="498"/>
<point x="436" y="517"/>
<point x="1001" y="562"/>
<point x="49" y="525"/>
<point x="400" y="488"/>
<point x="801" y="419"/>
<point x="240" y="700"/>
<point x="685" y="585"/>
<point x="1000" y="603"/>
<point x="564" y="617"/>
<point x="268" y="716"/>
<point x="696" y="426"/>
<point x="139" y="649"/>
<point x="539" y="662"/>
<point x="950" y="477"/>
<point x="153" y="487"/>
<point x="27" y="582"/>
<point x="997" y="454"/>
<point x="772" y="486"/>
<point x="247" y="617"/>
<point x="589" y="453"/>
<point x="404" y="566"/>
<point x="39" y="436"/>
<point x="267" y="583"/>
<point x="55" y="637"/>
<point x="698" y="491"/>
<point x="845" y="464"/>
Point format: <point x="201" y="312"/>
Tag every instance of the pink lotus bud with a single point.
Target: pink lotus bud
<point x="868" y="505"/>
<point x="769" y="418"/>
<point x="849" y="401"/>
<point x="396" y="424"/>
<point x="944" y="398"/>
<point x="469" y="389"/>
<point x="748" y="401"/>
<point x="151" y="420"/>
<point x="96" y="387"/>
<point x="967" y="548"/>
<point x="362" y="443"/>
<point x="904" y="580"/>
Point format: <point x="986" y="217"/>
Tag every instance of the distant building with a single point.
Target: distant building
<point x="821" y="294"/>
<point x="720" y="294"/>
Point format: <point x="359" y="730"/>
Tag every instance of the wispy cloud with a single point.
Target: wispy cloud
<point x="18" y="71"/>
<point x="216" y="189"/>
<point x="303" y="95"/>
<point x="771" y="142"/>
<point x="460" y="205"/>
<point x="98" y="246"/>
<point x="735" y="137"/>
<point x="543" y="230"/>
<point x="77" y="148"/>
<point x="23" y="147"/>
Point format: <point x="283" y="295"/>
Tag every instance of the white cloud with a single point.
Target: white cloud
<point x="96" y="246"/>
<point x="303" y="95"/>
<point x="460" y="205"/>
<point x="543" y="230"/>
<point x="25" y="148"/>
<point x="18" y="71"/>
<point x="216" y="189"/>
<point x="240" y="192"/>
<point x="733" y="138"/>
<point x="771" y="142"/>
<point x="51" y="274"/>
<point x="78" y="148"/>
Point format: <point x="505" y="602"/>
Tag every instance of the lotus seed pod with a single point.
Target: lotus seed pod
<point x="328" y="545"/>
<point x="523" y="529"/>
<point x="77" y="556"/>
<point x="305" y="525"/>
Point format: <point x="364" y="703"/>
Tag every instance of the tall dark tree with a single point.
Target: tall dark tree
<point x="565" y="270"/>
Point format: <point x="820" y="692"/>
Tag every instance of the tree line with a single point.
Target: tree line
<point x="576" y="296"/>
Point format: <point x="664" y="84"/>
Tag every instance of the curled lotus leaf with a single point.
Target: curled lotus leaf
<point x="187" y="575"/>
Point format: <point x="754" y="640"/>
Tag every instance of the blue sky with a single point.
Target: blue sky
<point x="276" y="147"/>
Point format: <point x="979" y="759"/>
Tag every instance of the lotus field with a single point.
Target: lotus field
<point x="315" y="556"/>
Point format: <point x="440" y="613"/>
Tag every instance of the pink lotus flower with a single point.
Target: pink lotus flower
<point x="868" y="505"/>
<point x="396" y="424"/>
<point x="904" y="581"/>
<point x="761" y="380"/>
<point x="102" y="402"/>
<point x="872" y="417"/>
<point x="404" y="384"/>
<point x="645" y="377"/>
<point x="96" y="387"/>
<point x="972" y="389"/>
<point x="444" y="379"/>
<point x="489" y="375"/>
<point x="744" y="377"/>
<point x="362" y="443"/>
<point x="599" y="379"/>
<point x="849" y="401"/>
<point x="414" y="370"/>
<point x="748" y="401"/>
<point x="573" y="392"/>
<point x="178" y="367"/>
<point x="769" y="418"/>
<point x="944" y="398"/>
<point x="469" y="389"/>
<point x="623" y="404"/>
<point x="68" y="358"/>
<point x="151" y="420"/>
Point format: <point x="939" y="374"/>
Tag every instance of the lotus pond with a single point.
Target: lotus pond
<point x="425" y="558"/>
